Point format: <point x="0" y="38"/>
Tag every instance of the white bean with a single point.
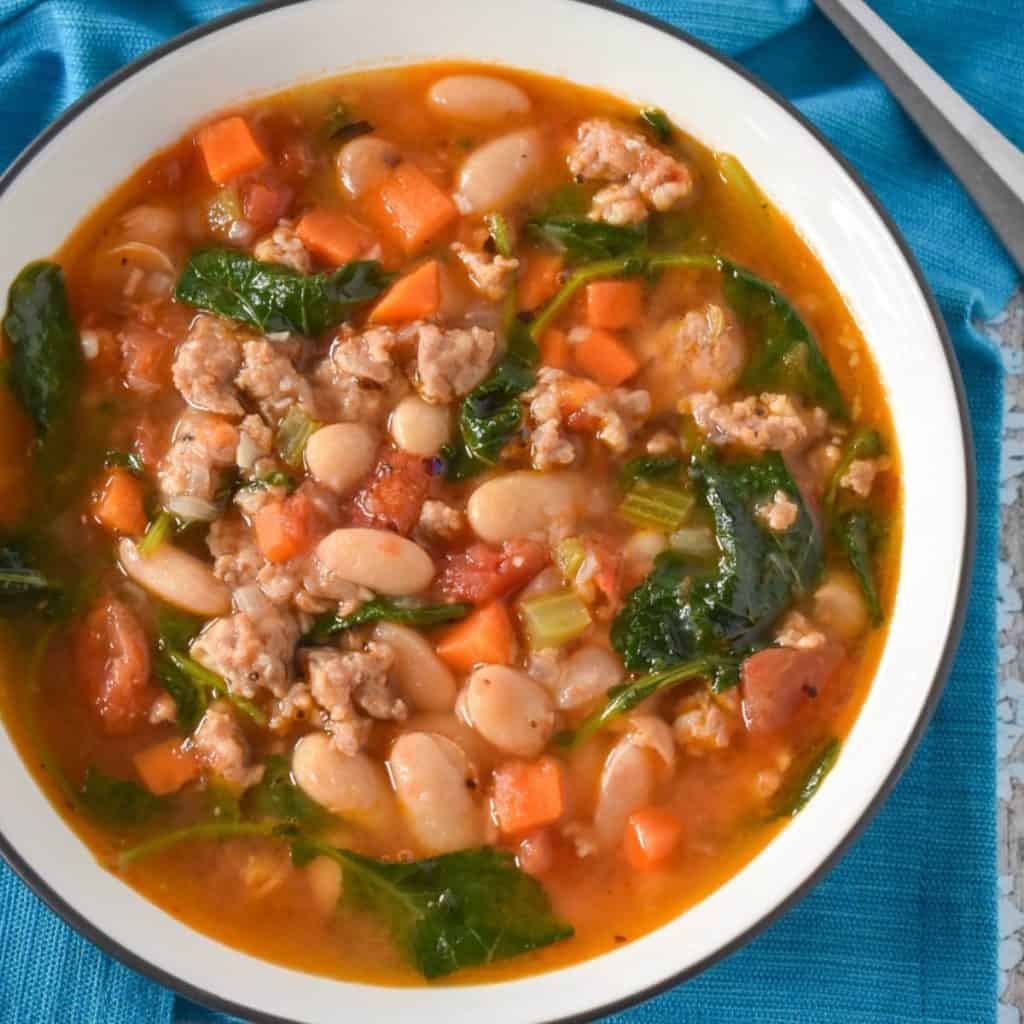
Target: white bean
<point x="476" y="98"/>
<point x="656" y="735"/>
<point x="493" y="175"/>
<point x="627" y="784"/>
<point x="839" y="607"/>
<point x="523" y="503"/>
<point x="432" y="784"/>
<point x="378" y="559"/>
<point x="351" y="786"/>
<point x="418" y="427"/>
<point x="364" y="163"/>
<point x="509" y="709"/>
<point x="176" y="577"/>
<point x="341" y="454"/>
<point x="422" y="678"/>
<point x="587" y="676"/>
<point x="641" y="549"/>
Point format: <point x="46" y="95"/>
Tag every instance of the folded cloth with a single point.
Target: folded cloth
<point x="904" y="929"/>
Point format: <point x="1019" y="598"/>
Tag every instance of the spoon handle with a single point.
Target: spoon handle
<point x="988" y="165"/>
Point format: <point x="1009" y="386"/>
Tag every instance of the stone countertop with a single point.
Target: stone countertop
<point x="1008" y="331"/>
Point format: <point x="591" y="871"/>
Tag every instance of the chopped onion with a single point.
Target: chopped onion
<point x="186" y="507"/>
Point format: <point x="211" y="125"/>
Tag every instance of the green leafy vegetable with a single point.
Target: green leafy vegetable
<point x="118" y="801"/>
<point x="735" y="175"/>
<point x="787" y="358"/>
<point x="350" y="130"/>
<point x="446" y="913"/>
<point x="277" y="798"/>
<point x="193" y="687"/>
<point x="810" y="775"/>
<point x="552" y="620"/>
<point x="156" y="532"/>
<point x="497" y="227"/>
<point x="866" y="444"/>
<point x="278" y="478"/>
<point x="658" y="122"/>
<point x="206" y="831"/>
<point x="23" y="587"/>
<point x="272" y="297"/>
<point x="858" y="533"/>
<point x="680" y="611"/>
<point x="656" y="506"/>
<point x="490" y="415"/>
<point x="383" y="608"/>
<point x="45" y="365"/>
<point x="294" y="430"/>
<point x="584" y="240"/>
<point x="131" y="461"/>
<point x="623" y="699"/>
<point x="176" y="629"/>
<point x="649" y="467"/>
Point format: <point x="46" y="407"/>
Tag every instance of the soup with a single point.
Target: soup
<point x="449" y="522"/>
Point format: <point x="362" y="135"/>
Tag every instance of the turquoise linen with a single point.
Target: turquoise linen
<point x="903" y="931"/>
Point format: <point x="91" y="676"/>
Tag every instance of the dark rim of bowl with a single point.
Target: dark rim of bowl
<point x="137" y="963"/>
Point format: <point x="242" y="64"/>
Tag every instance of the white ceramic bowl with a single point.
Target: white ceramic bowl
<point x="100" y="140"/>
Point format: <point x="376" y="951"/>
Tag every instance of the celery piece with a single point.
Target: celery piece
<point x="294" y="430"/>
<point x="569" y="557"/>
<point x="223" y="210"/>
<point x="552" y="620"/>
<point x="655" y="506"/>
<point x="156" y="533"/>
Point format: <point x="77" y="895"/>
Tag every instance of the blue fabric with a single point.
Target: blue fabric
<point x="904" y="930"/>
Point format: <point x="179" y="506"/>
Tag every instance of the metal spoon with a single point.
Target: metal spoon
<point x="989" y="166"/>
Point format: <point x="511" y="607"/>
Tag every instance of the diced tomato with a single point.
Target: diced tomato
<point x="266" y="202"/>
<point x="481" y="573"/>
<point x="394" y="497"/>
<point x="147" y="359"/>
<point x="779" y="683"/>
<point x="152" y="439"/>
<point x="607" y="568"/>
<point x="112" y="661"/>
<point x="166" y="767"/>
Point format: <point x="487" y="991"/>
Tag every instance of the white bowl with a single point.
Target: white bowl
<point x="104" y="136"/>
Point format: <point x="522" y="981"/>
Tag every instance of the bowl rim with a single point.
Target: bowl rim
<point x="95" y="934"/>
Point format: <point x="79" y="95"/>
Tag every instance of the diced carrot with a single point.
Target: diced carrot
<point x="554" y="349"/>
<point x="119" y="504"/>
<point x="485" y="637"/>
<point x="528" y="794"/>
<point x="539" y="280"/>
<point x="413" y="297"/>
<point x="146" y="355"/>
<point x="284" y="529"/>
<point x="614" y="304"/>
<point x="652" y="833"/>
<point x="229" y="149"/>
<point x="166" y="767"/>
<point x="332" y="235"/>
<point x="602" y="356"/>
<point x="412" y="207"/>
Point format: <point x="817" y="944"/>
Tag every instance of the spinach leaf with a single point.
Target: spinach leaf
<point x="349" y="130"/>
<point x="176" y="629"/>
<point x="659" y="124"/>
<point x="649" y="467"/>
<point x="584" y="240"/>
<point x="866" y="444"/>
<point x="277" y="798"/>
<point x="272" y="297"/>
<point x="787" y="357"/>
<point x="45" y="366"/>
<point x="490" y="415"/>
<point x="858" y="534"/>
<point x="623" y="699"/>
<point x="461" y="909"/>
<point x="383" y="608"/>
<point x="194" y="688"/>
<point x="680" y="612"/>
<point x="131" y="461"/>
<point x="23" y="587"/>
<point x="277" y="478"/>
<point x="118" y="801"/>
<point x="809" y="776"/>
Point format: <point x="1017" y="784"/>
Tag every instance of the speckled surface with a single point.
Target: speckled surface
<point x="1009" y="331"/>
